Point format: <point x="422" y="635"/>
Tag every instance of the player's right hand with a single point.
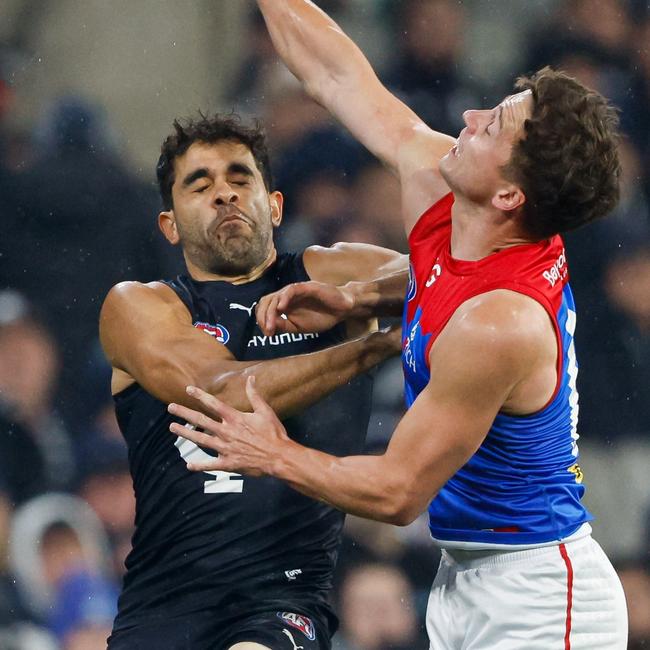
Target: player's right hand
<point x="304" y="307"/>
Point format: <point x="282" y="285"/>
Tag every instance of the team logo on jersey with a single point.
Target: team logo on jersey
<point x="218" y="332"/>
<point x="412" y="289"/>
<point x="300" y="622"/>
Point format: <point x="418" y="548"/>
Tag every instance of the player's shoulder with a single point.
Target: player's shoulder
<point x="501" y="322"/>
<point x="140" y="296"/>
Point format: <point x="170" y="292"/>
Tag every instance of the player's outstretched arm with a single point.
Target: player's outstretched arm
<point x="351" y="281"/>
<point x="317" y="307"/>
<point x="147" y="333"/>
<point x="337" y="75"/>
<point x="437" y="436"/>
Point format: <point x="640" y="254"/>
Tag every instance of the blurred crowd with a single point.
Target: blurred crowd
<point x="76" y="220"/>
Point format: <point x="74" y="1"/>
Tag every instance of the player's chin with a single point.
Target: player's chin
<point x="446" y="165"/>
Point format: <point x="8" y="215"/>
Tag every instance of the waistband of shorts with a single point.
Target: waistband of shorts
<point x="462" y="559"/>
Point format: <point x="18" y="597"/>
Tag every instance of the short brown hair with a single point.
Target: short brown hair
<point x="567" y="162"/>
<point x="210" y="130"/>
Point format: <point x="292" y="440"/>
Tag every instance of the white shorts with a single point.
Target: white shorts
<point x="564" y="597"/>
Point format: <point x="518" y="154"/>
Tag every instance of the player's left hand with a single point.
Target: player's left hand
<point x="247" y="443"/>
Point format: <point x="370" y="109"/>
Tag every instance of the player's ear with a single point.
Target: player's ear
<point x="276" y="201"/>
<point x="167" y="225"/>
<point x="508" y="197"/>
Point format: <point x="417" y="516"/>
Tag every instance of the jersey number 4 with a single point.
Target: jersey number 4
<point x="223" y="482"/>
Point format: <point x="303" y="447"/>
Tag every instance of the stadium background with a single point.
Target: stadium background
<point x="88" y="91"/>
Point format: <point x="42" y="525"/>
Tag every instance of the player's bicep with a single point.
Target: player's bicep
<point x="152" y="338"/>
<point x="473" y="368"/>
<point x="435" y="438"/>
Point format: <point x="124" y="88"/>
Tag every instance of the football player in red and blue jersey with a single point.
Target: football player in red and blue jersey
<point x="489" y="441"/>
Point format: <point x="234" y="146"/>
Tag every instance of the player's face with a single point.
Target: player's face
<point x="473" y="167"/>
<point x="223" y="213"/>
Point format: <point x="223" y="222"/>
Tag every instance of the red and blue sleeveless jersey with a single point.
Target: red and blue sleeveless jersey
<point x="523" y="486"/>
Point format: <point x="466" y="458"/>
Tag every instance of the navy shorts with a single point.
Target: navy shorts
<point x="279" y="630"/>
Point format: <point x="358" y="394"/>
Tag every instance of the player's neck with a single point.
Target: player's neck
<point x="206" y="276"/>
<point x="478" y="231"/>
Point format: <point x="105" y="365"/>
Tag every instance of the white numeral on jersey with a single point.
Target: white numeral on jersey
<point x="223" y="482"/>
<point x="436" y="270"/>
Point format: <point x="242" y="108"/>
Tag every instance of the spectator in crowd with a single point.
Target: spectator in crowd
<point x="426" y="73"/>
<point x="106" y="484"/>
<point x="636" y="584"/>
<point x="577" y="28"/>
<point x="377" y="202"/>
<point x="83" y="223"/>
<point x="32" y="434"/>
<point x="627" y="286"/>
<point x="377" y="611"/>
<point x="635" y="107"/>
<point x="603" y="334"/>
<point x="58" y="554"/>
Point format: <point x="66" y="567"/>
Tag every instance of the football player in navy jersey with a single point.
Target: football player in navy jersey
<point x="489" y="441"/>
<point x="219" y="560"/>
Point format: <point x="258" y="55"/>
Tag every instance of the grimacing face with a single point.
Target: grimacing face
<point x="473" y="165"/>
<point x="222" y="214"/>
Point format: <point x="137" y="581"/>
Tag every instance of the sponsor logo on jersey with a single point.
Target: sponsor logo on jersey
<point x="558" y="271"/>
<point x="414" y="340"/>
<point x="412" y="289"/>
<point x="279" y="339"/>
<point x="408" y="354"/>
<point x="292" y="574"/>
<point x="218" y="332"/>
<point x="293" y="641"/>
<point x="249" y="310"/>
<point x="299" y="622"/>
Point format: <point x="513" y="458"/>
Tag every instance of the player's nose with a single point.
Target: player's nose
<point x="226" y="194"/>
<point x="472" y="119"/>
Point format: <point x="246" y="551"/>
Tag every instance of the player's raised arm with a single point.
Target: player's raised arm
<point x="148" y="336"/>
<point x="337" y="75"/>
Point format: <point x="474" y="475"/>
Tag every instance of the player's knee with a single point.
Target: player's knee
<point x="248" y="646"/>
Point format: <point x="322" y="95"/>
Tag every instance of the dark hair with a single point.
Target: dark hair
<point x="567" y="162"/>
<point x="209" y="130"/>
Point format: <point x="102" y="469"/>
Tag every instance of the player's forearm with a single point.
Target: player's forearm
<point x="292" y="383"/>
<point x="377" y="298"/>
<point x="366" y="486"/>
<point x="312" y="45"/>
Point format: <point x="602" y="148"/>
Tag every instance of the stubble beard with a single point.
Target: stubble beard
<point x="238" y="254"/>
<point x="229" y="252"/>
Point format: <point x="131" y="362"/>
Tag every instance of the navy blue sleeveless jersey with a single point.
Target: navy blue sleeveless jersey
<point x="219" y="544"/>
